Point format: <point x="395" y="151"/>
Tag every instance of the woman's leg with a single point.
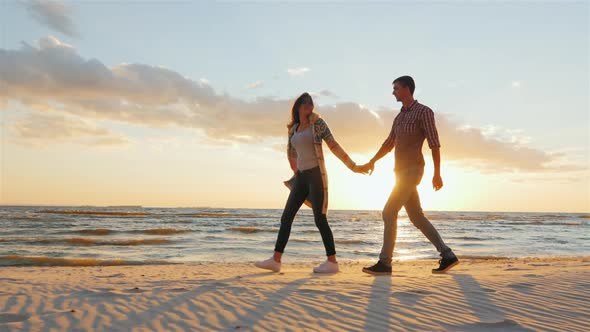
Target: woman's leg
<point x="296" y="198"/>
<point x="316" y="197"/>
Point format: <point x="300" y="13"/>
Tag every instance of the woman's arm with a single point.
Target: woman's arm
<point x="336" y="149"/>
<point x="292" y="156"/>
<point x="339" y="152"/>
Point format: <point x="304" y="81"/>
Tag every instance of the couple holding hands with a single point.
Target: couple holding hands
<point x="414" y="124"/>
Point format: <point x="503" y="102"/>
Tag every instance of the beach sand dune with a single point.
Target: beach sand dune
<point x="478" y="295"/>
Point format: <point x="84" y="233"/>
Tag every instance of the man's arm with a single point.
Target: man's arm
<point x="383" y="151"/>
<point x="429" y="126"/>
<point x="385" y="148"/>
<point x="370" y="166"/>
<point x="437" y="181"/>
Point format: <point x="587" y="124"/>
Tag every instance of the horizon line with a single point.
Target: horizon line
<point x="243" y="208"/>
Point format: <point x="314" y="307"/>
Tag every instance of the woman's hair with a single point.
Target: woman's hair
<point x="305" y="97"/>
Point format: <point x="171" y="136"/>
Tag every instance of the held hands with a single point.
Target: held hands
<point x="364" y="169"/>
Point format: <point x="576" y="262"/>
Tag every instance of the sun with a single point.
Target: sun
<point x="351" y="191"/>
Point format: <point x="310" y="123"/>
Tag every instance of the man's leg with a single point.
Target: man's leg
<point x="416" y="215"/>
<point x="398" y="197"/>
<point x="414" y="210"/>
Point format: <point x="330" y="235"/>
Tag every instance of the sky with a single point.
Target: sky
<point x="185" y="104"/>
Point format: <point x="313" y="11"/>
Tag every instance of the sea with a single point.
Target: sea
<point x="135" y="235"/>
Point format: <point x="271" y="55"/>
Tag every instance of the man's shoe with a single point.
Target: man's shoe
<point x="446" y="263"/>
<point x="378" y="269"/>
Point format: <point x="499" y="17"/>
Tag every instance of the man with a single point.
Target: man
<point x="411" y="127"/>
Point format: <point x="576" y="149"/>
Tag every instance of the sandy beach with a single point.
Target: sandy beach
<point x="537" y="294"/>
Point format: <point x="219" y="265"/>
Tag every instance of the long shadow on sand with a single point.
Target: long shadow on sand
<point x="490" y="316"/>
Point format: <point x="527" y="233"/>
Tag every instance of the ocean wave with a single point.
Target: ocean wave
<point x="138" y="242"/>
<point x="98" y="231"/>
<point x="94" y="242"/>
<point x="488" y="217"/>
<point x="250" y="229"/>
<point x="145" y="214"/>
<point x="349" y="241"/>
<point x="106" y="231"/>
<point x="546" y="223"/>
<point x="99" y="213"/>
<point x="15" y="260"/>
<point x="218" y="215"/>
<point x="19" y="217"/>
<point x="474" y="238"/>
<point x="302" y="240"/>
<point x="162" y="231"/>
<point x="470" y="244"/>
<point x="336" y="241"/>
<point x="475" y="257"/>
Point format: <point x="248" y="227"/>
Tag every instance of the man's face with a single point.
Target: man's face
<point x="400" y="92"/>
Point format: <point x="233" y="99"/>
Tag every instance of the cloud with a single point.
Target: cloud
<point x="489" y="152"/>
<point x="297" y="71"/>
<point x="52" y="78"/>
<point x="53" y="14"/>
<point x="323" y="93"/>
<point x="254" y="85"/>
<point x="41" y="129"/>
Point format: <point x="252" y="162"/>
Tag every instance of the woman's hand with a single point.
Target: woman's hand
<point x="364" y="169"/>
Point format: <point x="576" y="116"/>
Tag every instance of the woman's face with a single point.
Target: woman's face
<point x="306" y="107"/>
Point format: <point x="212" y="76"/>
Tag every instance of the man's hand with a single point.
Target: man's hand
<point x="437" y="182"/>
<point x="370" y="167"/>
<point x="359" y="169"/>
<point x="367" y="168"/>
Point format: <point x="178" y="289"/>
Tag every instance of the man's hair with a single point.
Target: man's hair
<point x="406" y="81"/>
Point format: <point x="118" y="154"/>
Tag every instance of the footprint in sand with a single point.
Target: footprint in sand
<point x="504" y="325"/>
<point x="11" y="318"/>
<point x="420" y="292"/>
<point x="134" y="290"/>
<point x="100" y="292"/>
<point x="487" y="290"/>
<point x="411" y="297"/>
<point x="112" y="275"/>
<point x="523" y="286"/>
<point x="411" y="294"/>
<point x="8" y="279"/>
<point x="180" y="289"/>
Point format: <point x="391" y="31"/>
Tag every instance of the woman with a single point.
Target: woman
<point x="306" y="132"/>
